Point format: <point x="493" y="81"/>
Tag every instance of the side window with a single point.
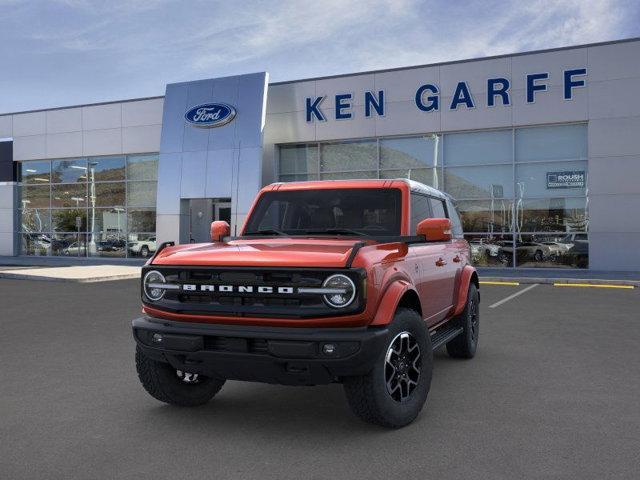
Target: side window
<point x="419" y="210"/>
<point x="456" y="224"/>
<point x="437" y="207"/>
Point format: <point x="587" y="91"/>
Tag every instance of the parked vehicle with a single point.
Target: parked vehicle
<point x="525" y="251"/>
<point x="143" y="247"/>
<point x="330" y="281"/>
<point x="74" y="249"/>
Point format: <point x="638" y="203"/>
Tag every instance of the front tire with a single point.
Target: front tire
<point x="174" y="387"/>
<point x="466" y="344"/>
<point x="393" y="393"/>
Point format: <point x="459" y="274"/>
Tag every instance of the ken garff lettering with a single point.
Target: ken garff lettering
<point x="210" y="115"/>
<point x="427" y="96"/>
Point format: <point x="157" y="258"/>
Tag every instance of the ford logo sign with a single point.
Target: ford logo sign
<point x="210" y="115"/>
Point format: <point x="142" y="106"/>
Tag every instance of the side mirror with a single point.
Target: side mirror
<point x="435" y="229"/>
<point x="219" y="230"/>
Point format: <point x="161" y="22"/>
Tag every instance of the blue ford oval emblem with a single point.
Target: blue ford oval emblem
<point x="210" y="115"/>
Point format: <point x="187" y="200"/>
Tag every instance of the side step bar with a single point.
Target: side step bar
<point x="444" y="335"/>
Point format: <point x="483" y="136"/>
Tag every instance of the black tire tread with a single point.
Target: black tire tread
<point x="460" y="346"/>
<point x="361" y="393"/>
<point x="149" y="373"/>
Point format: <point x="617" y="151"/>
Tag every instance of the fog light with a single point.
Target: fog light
<point x="157" y="338"/>
<point x="328" y="348"/>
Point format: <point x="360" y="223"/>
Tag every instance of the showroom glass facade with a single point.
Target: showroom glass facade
<point x="91" y="206"/>
<point x="521" y="193"/>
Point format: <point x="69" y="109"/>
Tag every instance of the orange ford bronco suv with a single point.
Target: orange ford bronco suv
<point x="350" y="281"/>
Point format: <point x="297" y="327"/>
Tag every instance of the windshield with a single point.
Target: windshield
<point x="356" y="211"/>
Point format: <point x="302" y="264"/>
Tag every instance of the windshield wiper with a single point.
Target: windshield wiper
<point x="267" y="231"/>
<point x="336" y="231"/>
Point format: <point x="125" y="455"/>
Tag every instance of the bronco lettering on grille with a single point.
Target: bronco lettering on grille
<point x="190" y="287"/>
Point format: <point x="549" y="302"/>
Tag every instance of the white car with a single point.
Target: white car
<point x="144" y="248"/>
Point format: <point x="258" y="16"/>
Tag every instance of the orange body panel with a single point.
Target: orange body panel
<point x="437" y="273"/>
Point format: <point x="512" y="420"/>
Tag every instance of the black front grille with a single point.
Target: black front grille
<point x="243" y="303"/>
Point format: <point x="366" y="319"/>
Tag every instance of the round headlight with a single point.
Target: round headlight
<point x="151" y="283"/>
<point x="343" y="291"/>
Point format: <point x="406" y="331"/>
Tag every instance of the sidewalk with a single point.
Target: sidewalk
<point x="77" y="274"/>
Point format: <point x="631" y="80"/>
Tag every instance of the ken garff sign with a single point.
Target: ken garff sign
<point x="427" y="96"/>
<point x="210" y="115"/>
<point x="566" y="179"/>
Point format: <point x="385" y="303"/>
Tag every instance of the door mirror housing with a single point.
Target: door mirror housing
<point x="435" y="229"/>
<point x="219" y="230"/>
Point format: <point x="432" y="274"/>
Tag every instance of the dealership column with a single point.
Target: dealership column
<point x="206" y="158"/>
<point x="7" y="198"/>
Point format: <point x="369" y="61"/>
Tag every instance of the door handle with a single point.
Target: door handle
<point x="457" y="259"/>
<point x="440" y="263"/>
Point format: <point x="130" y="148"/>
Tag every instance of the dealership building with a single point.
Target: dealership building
<point x="541" y="151"/>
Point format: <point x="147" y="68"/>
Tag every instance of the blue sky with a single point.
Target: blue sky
<point x="66" y="52"/>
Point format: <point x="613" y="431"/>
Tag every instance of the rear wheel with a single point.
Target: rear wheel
<point x="393" y="393"/>
<point x="465" y="344"/>
<point x="172" y="386"/>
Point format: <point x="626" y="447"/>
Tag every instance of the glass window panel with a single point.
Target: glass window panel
<point x="409" y="153"/>
<point x="69" y="245"/>
<point x="142" y="220"/>
<point x="106" y="168"/>
<point x="437" y="208"/>
<point x="298" y="178"/>
<point x="428" y="176"/>
<point x="490" y="250"/>
<point x="486" y="215"/>
<point x="69" y="195"/>
<point x="552" y="251"/>
<point x="347" y="175"/>
<point x="347" y="156"/>
<point x="35" y="172"/>
<point x="35" y="244"/>
<point x="142" y="167"/>
<point x="35" y="220"/>
<point x="298" y="159"/>
<point x="107" y="223"/>
<point x="420" y="210"/>
<point x="552" y="215"/>
<point x="141" y="194"/>
<point x="477" y="148"/>
<point x="551" y="179"/>
<point x="479" y="182"/>
<point x="109" y="194"/>
<point x="69" y="171"/>
<point x="35" y="196"/>
<point x="106" y="244"/>
<point x="65" y="220"/>
<point x="558" y="142"/>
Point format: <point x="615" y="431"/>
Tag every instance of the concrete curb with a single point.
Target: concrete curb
<point x="551" y="281"/>
<point x="22" y="276"/>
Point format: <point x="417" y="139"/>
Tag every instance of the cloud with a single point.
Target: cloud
<point x="80" y="51"/>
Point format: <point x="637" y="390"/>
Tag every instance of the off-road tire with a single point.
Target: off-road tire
<point x="367" y="394"/>
<point x="162" y="383"/>
<point x="466" y="344"/>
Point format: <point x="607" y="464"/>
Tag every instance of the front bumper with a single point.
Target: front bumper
<point x="282" y="355"/>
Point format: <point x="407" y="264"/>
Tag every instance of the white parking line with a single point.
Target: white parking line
<point x="511" y="297"/>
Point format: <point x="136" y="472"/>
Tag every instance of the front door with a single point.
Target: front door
<point x="200" y="218"/>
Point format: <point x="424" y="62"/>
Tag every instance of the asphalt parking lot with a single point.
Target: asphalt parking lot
<point x="553" y="393"/>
